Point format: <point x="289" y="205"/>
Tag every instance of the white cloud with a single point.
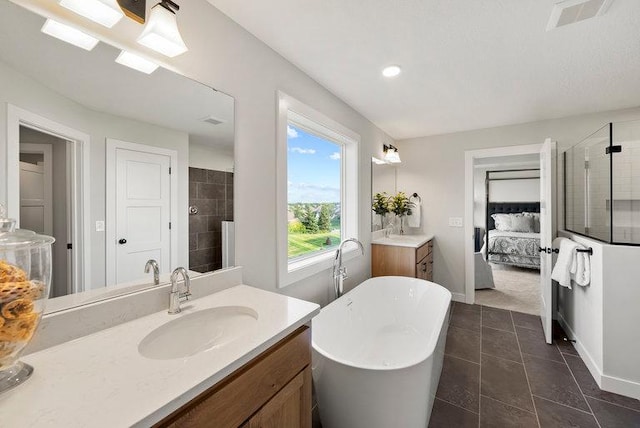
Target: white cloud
<point x="291" y="133"/>
<point x="335" y="156"/>
<point x="303" y="151"/>
<point x="313" y="193"/>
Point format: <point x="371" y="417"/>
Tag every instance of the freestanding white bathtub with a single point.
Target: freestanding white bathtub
<point x="378" y="352"/>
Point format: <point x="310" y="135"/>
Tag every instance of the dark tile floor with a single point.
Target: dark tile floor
<point x="499" y="372"/>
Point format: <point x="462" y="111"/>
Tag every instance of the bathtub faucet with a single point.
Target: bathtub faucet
<point x="339" y="271"/>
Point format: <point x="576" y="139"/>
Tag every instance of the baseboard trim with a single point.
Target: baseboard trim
<point x="458" y="297"/>
<point x="621" y="386"/>
<point x="614" y="384"/>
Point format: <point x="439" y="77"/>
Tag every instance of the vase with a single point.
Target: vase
<point x="402" y="225"/>
<point x="25" y="277"/>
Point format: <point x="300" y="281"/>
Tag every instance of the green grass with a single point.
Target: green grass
<point x="303" y="243"/>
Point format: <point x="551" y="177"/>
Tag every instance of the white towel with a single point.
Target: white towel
<point x="414" y="218"/>
<point x="565" y="261"/>
<point x="581" y="271"/>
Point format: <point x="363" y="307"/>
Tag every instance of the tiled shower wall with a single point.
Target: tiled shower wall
<point x="212" y="192"/>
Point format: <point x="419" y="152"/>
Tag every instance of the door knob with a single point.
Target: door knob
<point x="122" y="241"/>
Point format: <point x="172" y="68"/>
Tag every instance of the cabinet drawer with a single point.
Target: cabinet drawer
<point x="238" y="397"/>
<point x="424" y="251"/>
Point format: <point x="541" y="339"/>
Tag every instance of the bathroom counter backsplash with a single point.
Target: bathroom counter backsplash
<point x="101" y="380"/>
<point x="412" y="241"/>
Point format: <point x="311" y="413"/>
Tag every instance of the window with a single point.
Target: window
<point x="317" y="189"/>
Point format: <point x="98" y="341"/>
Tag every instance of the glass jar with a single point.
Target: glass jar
<point x="25" y="277"/>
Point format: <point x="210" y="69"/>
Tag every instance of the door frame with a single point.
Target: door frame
<point x="110" y="224"/>
<point x="47" y="152"/>
<point x="470" y="157"/>
<point x="78" y="171"/>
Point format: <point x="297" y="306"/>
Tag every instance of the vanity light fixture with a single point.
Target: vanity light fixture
<point x="391" y="154"/>
<point x="104" y="12"/>
<point x="161" y="31"/>
<point x="69" y="34"/>
<point x="377" y="161"/>
<point x="136" y="62"/>
<point x="391" y="71"/>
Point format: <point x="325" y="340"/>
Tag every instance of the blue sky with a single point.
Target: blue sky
<point x="313" y="168"/>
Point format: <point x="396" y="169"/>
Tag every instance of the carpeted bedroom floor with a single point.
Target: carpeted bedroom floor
<point x="516" y="289"/>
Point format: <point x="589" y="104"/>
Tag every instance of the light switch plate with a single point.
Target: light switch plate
<point x="99" y="226"/>
<point x="455" y="221"/>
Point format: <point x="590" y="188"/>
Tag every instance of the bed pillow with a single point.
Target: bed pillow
<point x="513" y="222"/>
<point x="536" y="220"/>
<point x="521" y="223"/>
<point x="502" y="221"/>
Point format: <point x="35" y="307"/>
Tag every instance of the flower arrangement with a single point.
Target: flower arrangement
<point x="381" y="203"/>
<point x="401" y="205"/>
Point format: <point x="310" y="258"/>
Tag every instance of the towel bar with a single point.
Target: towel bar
<point x="588" y="251"/>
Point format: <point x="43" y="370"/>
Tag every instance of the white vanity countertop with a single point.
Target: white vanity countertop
<point x="413" y="241"/>
<point x="101" y="380"/>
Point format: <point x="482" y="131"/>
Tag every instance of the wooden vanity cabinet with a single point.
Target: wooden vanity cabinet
<point x="403" y="261"/>
<point x="272" y="390"/>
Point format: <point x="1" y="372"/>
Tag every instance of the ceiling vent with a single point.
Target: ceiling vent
<point x="572" y="11"/>
<point x="212" y="120"/>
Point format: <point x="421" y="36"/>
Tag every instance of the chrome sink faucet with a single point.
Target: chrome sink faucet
<point x="176" y="296"/>
<point x="152" y="264"/>
<point x="339" y="271"/>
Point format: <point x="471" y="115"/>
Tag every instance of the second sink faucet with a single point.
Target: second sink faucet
<point x="152" y="264"/>
<point x="176" y="296"/>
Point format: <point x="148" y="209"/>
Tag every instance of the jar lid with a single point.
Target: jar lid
<point x="13" y="238"/>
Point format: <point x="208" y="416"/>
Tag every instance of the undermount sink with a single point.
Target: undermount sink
<point x="197" y="332"/>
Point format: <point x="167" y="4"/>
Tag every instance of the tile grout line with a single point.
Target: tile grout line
<point x="563" y="405"/>
<point x="502" y="358"/>
<point x="526" y="375"/>
<point x="580" y="389"/>
<point x="609" y="402"/>
<point x="456" y="405"/>
<point x="462" y="359"/>
<point x="480" y="373"/>
<point x="507" y="404"/>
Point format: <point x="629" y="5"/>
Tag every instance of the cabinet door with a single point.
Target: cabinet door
<point x="422" y="269"/>
<point x="289" y="408"/>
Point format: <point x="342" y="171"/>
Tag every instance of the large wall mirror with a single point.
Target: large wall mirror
<point x="121" y="167"/>
<point x="383" y="179"/>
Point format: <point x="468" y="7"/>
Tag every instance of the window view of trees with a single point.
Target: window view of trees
<point x="314" y="180"/>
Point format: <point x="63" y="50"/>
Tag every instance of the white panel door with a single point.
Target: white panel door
<point x="143" y="212"/>
<point x="547" y="228"/>
<point x="36" y="212"/>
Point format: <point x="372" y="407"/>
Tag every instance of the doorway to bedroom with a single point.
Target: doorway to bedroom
<point x="506" y="220"/>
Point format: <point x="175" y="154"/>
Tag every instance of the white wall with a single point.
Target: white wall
<point x="434" y="167"/>
<point x="28" y="94"/>
<point x="206" y="157"/>
<point x="602" y="317"/>
<point x="225" y="56"/>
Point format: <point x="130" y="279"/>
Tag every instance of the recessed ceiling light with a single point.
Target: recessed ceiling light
<point x="391" y="71"/>
<point x="69" y="34"/>
<point x="136" y="62"/>
<point x="104" y="12"/>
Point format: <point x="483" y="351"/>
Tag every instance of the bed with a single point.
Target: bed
<point x="513" y="247"/>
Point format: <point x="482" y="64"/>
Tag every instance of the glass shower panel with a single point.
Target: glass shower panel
<point x="626" y="182"/>
<point x="598" y="218"/>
